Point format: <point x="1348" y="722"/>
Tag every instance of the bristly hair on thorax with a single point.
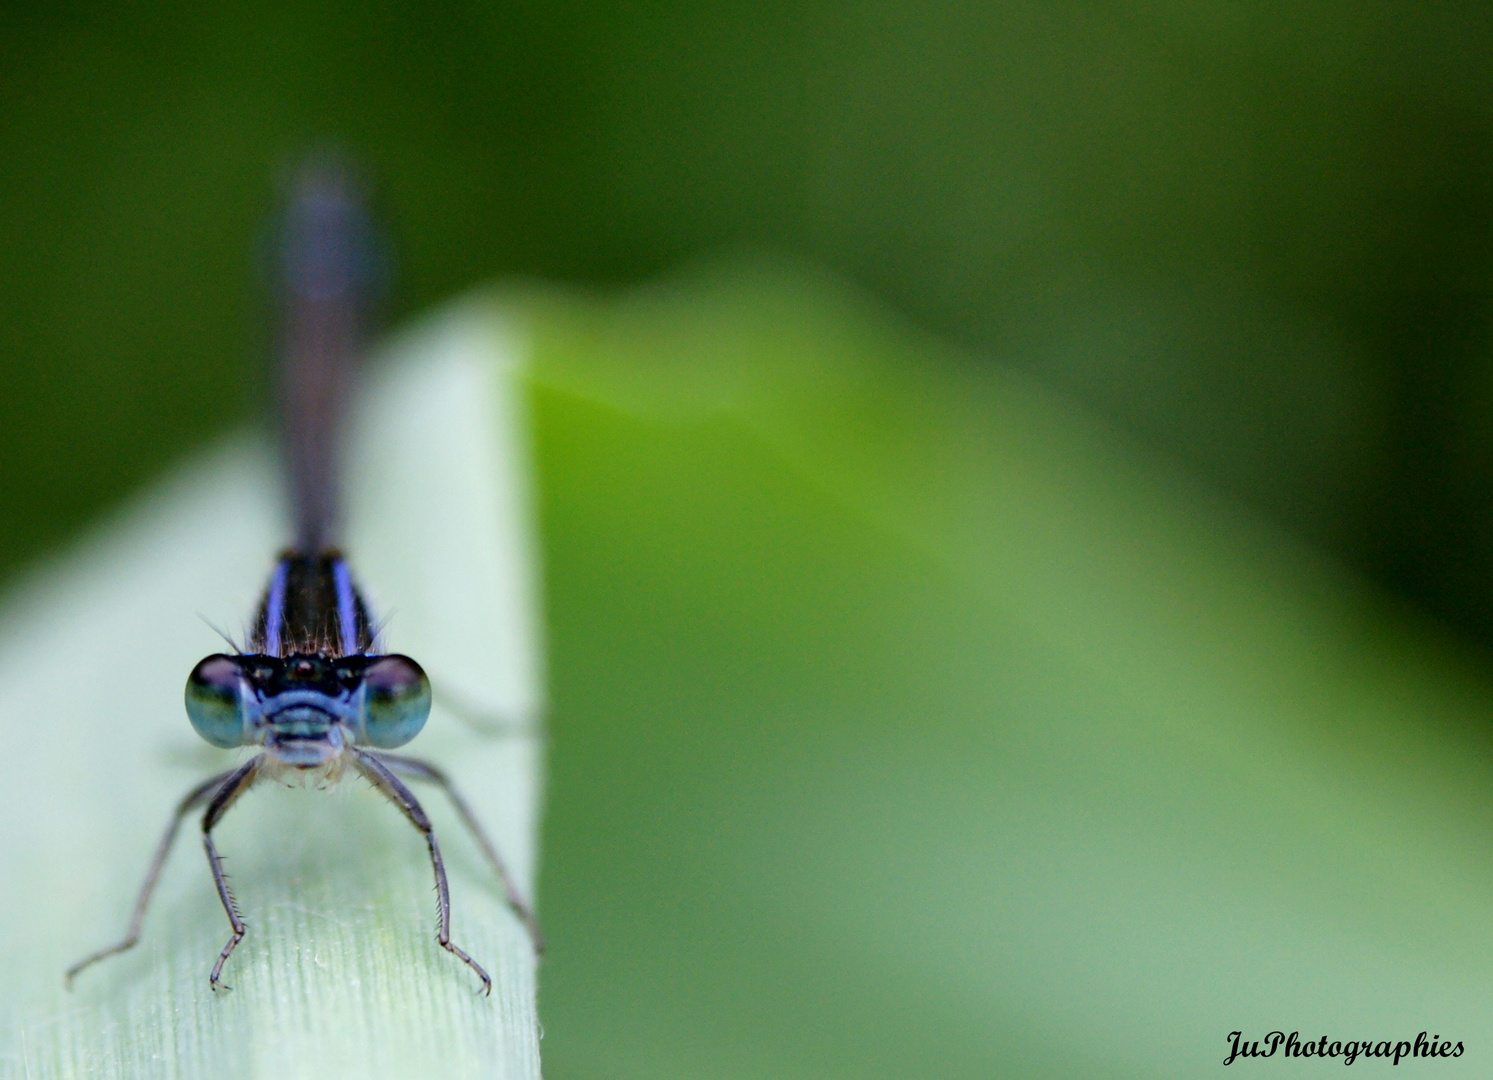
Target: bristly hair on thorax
<point x="312" y="607"/>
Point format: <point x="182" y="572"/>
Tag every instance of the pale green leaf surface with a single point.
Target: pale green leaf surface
<point x="340" y="974"/>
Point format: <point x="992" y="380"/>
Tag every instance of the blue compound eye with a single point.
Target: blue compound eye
<point x="215" y="692"/>
<point x="396" y="701"/>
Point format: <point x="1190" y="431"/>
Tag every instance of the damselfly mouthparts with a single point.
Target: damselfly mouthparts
<point x="312" y="690"/>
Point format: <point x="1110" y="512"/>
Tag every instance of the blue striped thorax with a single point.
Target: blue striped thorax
<point x="312" y="681"/>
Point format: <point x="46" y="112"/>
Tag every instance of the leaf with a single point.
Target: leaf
<point x="909" y="722"/>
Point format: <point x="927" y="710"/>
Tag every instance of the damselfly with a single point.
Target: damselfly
<point x="312" y="690"/>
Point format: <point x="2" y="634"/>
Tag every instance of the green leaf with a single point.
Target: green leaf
<point x="909" y="722"/>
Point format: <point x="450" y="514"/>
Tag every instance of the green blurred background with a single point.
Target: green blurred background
<point x="1259" y="235"/>
<point x="1253" y="243"/>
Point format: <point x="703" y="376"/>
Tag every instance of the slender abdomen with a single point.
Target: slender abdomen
<point x="325" y="270"/>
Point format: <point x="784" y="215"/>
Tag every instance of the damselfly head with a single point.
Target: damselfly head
<point x="306" y="709"/>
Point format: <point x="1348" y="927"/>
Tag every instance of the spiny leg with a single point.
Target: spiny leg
<point x="389" y="785"/>
<point x="190" y="801"/>
<point x="416" y="769"/>
<point x="240" y="782"/>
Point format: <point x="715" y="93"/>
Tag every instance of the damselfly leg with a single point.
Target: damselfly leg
<point x="423" y="771"/>
<point x="379" y="775"/>
<point x="193" y="799"/>
<point x="240" y="782"/>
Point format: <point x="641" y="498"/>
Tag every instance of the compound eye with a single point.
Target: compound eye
<point x="215" y="691"/>
<point x="396" y="701"/>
